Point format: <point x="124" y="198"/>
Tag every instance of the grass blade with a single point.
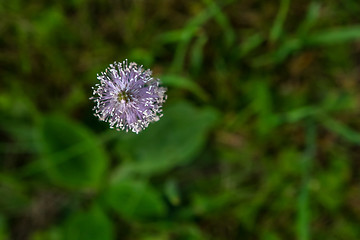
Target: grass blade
<point x="334" y="36"/>
<point x="303" y="215"/>
<point x="277" y="28"/>
<point x="310" y="19"/>
<point x="341" y="129"/>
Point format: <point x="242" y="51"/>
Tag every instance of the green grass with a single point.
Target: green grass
<point x="259" y="138"/>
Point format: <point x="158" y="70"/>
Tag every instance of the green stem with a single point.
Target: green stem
<point x="303" y="216"/>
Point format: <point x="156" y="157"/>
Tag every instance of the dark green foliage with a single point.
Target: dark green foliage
<point x="138" y="200"/>
<point x="180" y="135"/>
<point x="90" y="224"/>
<point x="260" y="134"/>
<point x="71" y="155"/>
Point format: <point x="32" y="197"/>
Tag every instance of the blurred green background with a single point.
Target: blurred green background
<point x="260" y="134"/>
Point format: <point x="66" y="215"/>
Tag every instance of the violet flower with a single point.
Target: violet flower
<point x="128" y="97"/>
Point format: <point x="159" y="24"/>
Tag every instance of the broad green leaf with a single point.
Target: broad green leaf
<point x="72" y="157"/>
<point x="92" y="224"/>
<point x="174" y="140"/>
<point x="135" y="200"/>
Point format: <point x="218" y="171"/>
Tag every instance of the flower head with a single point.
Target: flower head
<point x="128" y="97"/>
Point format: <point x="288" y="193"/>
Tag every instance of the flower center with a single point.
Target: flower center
<point x="123" y="96"/>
